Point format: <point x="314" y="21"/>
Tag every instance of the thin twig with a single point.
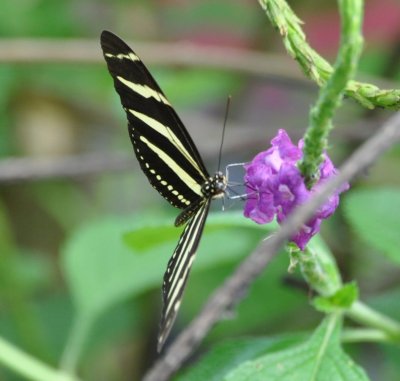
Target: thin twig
<point x="86" y="51"/>
<point x="235" y="286"/>
<point x="24" y="169"/>
<point x="241" y="137"/>
<point x="14" y="170"/>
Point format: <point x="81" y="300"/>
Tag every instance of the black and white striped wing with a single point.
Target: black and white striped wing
<point x="163" y="147"/>
<point x="170" y="160"/>
<point x="178" y="270"/>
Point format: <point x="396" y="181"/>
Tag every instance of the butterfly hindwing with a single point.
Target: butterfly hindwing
<point x="163" y="147"/>
<point x="178" y="269"/>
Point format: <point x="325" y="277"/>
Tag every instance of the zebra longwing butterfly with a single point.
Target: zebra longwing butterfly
<point x="169" y="159"/>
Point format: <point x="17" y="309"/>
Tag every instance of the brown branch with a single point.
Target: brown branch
<point x="235" y="286"/>
<point x="87" y="51"/>
<point x="28" y="51"/>
<point x="241" y="137"/>
<point x="14" y="170"/>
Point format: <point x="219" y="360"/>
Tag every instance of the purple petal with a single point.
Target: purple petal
<point x="327" y="168"/>
<point x="260" y="208"/>
<point x="275" y="187"/>
<point x="273" y="159"/>
<point x="327" y="209"/>
<point x="288" y="188"/>
<point x="287" y="150"/>
<point x="257" y="175"/>
<point x="306" y="233"/>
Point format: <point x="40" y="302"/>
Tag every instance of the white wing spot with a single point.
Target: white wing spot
<point x="171" y="163"/>
<point x="121" y="56"/>
<point x="177" y="305"/>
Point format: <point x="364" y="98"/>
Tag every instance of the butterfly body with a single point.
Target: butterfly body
<point x="170" y="160"/>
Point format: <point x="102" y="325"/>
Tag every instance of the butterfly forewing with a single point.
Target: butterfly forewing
<point x="178" y="269"/>
<point x="163" y="147"/>
<point x="170" y="160"/>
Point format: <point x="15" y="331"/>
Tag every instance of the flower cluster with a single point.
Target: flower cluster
<point x="275" y="186"/>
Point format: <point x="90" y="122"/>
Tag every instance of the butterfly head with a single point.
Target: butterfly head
<point x="214" y="186"/>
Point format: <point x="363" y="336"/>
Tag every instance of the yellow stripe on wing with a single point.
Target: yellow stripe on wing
<point x="190" y="182"/>
<point x="169" y="134"/>
<point x="144" y="90"/>
<point x="184" y="249"/>
<point x="178" y="270"/>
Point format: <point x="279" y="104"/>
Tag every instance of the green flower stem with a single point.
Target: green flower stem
<point x="365" y="315"/>
<point x="321" y="273"/>
<point x="331" y="93"/>
<point x="357" y="335"/>
<point x="76" y="340"/>
<point x="316" y="67"/>
<point x="29" y="367"/>
<point x="16" y="295"/>
<point x="318" y="269"/>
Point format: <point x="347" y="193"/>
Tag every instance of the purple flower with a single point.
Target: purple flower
<point x="275" y="187"/>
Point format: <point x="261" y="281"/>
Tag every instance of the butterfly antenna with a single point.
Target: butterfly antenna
<point x="228" y="104"/>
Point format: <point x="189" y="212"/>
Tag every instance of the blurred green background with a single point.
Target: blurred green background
<point x="80" y="275"/>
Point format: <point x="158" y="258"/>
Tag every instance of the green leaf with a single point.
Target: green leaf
<point x="102" y="270"/>
<point x="341" y="299"/>
<point x="374" y="215"/>
<point x="266" y="301"/>
<point x="319" y="359"/>
<point x="153" y="234"/>
<point x="149" y="237"/>
<point x="225" y="356"/>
